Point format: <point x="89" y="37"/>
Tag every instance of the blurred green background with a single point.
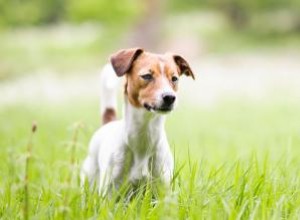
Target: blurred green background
<point x="73" y="36"/>
<point x="240" y="13"/>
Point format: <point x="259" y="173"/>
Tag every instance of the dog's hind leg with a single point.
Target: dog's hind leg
<point x="89" y="171"/>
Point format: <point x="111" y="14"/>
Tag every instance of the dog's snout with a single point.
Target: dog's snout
<point x="168" y="99"/>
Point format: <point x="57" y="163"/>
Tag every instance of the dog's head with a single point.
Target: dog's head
<point x="151" y="79"/>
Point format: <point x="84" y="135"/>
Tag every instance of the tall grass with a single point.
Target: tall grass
<point x="26" y="178"/>
<point x="234" y="161"/>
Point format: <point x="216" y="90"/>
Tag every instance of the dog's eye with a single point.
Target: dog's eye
<point x="174" y="79"/>
<point x="147" y="77"/>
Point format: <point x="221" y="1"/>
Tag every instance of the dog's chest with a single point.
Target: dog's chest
<point x="141" y="144"/>
<point x="144" y="132"/>
<point x="142" y="148"/>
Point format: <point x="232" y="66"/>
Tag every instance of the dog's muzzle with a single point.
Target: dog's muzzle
<point x="167" y="105"/>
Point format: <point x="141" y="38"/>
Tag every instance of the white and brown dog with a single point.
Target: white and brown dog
<point x="135" y="147"/>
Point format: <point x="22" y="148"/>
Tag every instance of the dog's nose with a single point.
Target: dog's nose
<point x="169" y="99"/>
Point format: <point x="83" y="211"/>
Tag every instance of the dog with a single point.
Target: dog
<point x="135" y="148"/>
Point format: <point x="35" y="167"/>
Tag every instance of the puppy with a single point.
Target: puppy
<point x="135" y="148"/>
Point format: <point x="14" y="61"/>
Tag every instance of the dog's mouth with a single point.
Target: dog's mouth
<point x="159" y="109"/>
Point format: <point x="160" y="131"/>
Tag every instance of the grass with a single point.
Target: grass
<point x="237" y="160"/>
<point x="61" y="49"/>
<point x="249" y="40"/>
<point x="68" y="49"/>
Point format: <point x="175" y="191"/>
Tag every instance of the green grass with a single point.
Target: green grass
<point x="237" y="160"/>
<point x="68" y="49"/>
<point x="63" y="49"/>
<point x="249" y="40"/>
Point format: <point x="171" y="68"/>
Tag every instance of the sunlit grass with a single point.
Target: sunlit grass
<point x="68" y="49"/>
<point x="234" y="160"/>
<point x="249" y="40"/>
<point x="62" y="49"/>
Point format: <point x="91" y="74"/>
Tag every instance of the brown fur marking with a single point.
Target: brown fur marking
<point x="140" y="91"/>
<point x="123" y="60"/>
<point x="108" y="116"/>
<point x="136" y="62"/>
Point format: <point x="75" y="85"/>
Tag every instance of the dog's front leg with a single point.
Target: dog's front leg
<point x="167" y="173"/>
<point x="164" y="166"/>
<point x="104" y="182"/>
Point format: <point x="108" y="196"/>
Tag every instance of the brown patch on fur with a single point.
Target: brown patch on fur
<point x="136" y="62"/>
<point x="140" y="91"/>
<point x="108" y="116"/>
<point x="123" y="60"/>
<point x="183" y="66"/>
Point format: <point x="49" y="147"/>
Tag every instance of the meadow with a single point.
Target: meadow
<point x="235" y="160"/>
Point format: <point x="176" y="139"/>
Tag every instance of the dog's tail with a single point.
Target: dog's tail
<point x="109" y="84"/>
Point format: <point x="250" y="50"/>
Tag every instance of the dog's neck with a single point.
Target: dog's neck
<point x="143" y="128"/>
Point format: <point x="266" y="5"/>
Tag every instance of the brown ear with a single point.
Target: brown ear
<point x="123" y="59"/>
<point x="183" y="66"/>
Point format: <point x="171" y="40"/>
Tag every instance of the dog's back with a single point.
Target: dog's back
<point x="109" y="86"/>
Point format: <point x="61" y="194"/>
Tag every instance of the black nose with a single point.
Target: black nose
<point x="168" y="99"/>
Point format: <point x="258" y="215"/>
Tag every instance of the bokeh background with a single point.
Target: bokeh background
<point x="52" y="50"/>
<point x="245" y="55"/>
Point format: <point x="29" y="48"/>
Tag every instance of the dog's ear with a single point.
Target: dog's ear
<point x="184" y="67"/>
<point x="122" y="60"/>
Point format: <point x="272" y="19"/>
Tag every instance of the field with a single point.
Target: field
<point x="235" y="134"/>
<point x="234" y="161"/>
